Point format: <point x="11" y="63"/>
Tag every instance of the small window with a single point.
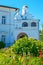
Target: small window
<point x="3" y="38"/>
<point x="3" y="20"/>
<point x="24" y="24"/>
<point x="33" y="24"/>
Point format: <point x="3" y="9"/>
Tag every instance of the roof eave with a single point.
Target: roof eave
<point x="9" y="7"/>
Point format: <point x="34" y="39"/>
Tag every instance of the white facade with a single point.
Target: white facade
<point x="14" y="26"/>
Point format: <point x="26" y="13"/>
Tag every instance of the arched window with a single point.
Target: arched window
<point x="33" y="24"/>
<point x="24" y="24"/>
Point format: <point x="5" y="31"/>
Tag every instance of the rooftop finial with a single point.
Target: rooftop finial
<point x="24" y="10"/>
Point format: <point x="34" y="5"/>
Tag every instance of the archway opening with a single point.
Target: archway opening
<point x="21" y="35"/>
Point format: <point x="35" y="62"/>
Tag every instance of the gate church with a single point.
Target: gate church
<point x="14" y="25"/>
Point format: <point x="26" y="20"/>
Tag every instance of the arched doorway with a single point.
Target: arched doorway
<point x="21" y="35"/>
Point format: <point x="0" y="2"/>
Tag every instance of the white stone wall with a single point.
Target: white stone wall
<point x="30" y="31"/>
<point x="6" y="29"/>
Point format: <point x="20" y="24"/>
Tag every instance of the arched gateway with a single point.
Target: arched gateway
<point x="21" y="35"/>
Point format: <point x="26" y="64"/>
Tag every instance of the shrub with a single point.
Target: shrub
<point x="2" y="45"/>
<point x="22" y="45"/>
<point x="34" y="50"/>
<point x="25" y="45"/>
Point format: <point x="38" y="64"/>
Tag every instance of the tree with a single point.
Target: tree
<point x="41" y="33"/>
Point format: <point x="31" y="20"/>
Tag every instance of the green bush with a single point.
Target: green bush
<point x="21" y="46"/>
<point x="2" y="45"/>
<point x="25" y="45"/>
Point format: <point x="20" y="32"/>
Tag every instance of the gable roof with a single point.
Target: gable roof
<point x="9" y="7"/>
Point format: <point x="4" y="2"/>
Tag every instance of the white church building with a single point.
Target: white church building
<point x="14" y="25"/>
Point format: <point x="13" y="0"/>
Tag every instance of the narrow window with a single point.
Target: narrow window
<point x="3" y="38"/>
<point x="3" y="20"/>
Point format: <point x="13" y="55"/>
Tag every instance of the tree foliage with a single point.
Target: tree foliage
<point x="25" y="45"/>
<point x="41" y="33"/>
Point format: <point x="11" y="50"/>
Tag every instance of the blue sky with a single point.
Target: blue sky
<point x="35" y="7"/>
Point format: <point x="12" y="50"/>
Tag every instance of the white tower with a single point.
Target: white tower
<point x="24" y="10"/>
